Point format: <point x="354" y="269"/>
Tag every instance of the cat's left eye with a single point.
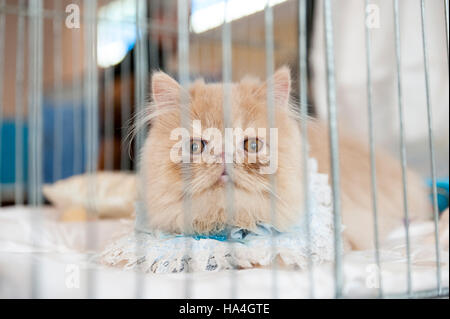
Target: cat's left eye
<point x="197" y="146"/>
<point x="253" y="145"/>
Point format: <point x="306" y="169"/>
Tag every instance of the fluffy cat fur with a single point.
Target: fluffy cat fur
<point x="165" y="188"/>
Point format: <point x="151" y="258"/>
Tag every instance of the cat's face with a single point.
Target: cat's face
<point x="212" y="155"/>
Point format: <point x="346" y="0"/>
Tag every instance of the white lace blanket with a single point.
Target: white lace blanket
<point x="240" y="249"/>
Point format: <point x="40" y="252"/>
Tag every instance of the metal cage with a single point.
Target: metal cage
<point x="96" y="103"/>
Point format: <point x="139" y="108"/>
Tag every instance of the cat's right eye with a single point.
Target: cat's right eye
<point x="197" y="146"/>
<point x="253" y="145"/>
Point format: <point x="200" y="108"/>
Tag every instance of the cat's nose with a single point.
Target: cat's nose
<point x="224" y="177"/>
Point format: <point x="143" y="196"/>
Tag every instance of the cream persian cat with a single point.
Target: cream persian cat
<point x="165" y="187"/>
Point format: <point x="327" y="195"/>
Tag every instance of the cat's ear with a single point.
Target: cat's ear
<point x="281" y="80"/>
<point x="165" y="90"/>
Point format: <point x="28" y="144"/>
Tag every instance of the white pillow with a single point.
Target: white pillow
<point x="106" y="194"/>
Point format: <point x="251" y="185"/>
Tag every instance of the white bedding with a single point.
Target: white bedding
<point x="62" y="266"/>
